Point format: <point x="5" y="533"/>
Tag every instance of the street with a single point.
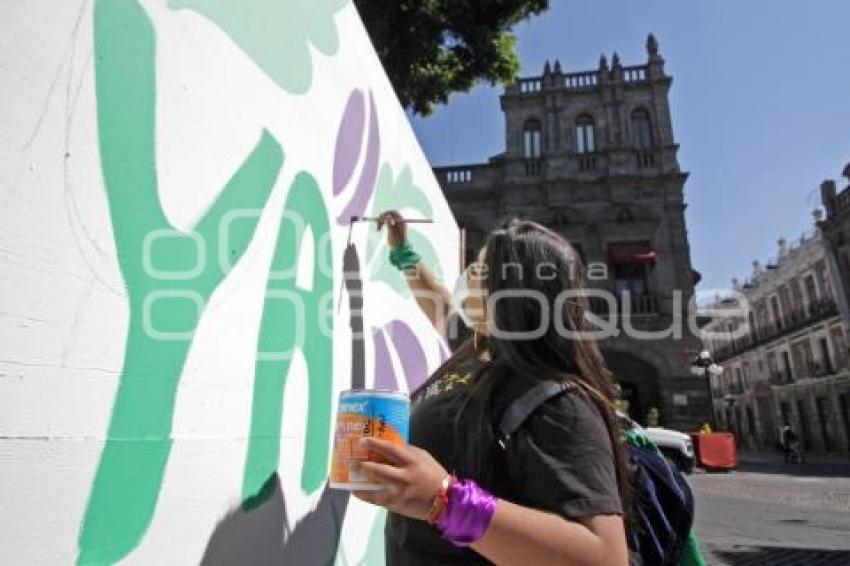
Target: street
<point x="769" y="512"/>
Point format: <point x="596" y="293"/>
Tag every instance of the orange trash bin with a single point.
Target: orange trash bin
<point x="715" y="450"/>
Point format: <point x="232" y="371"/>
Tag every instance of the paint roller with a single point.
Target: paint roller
<point x="357" y="218"/>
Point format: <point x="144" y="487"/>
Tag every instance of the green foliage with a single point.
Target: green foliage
<point x="431" y="48"/>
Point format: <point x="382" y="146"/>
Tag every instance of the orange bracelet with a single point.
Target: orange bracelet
<point x="441" y="500"/>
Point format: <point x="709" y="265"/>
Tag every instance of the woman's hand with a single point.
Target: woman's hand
<point x="396" y="227"/>
<point x="410" y="478"/>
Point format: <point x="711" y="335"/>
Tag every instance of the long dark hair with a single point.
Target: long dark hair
<point x="526" y="256"/>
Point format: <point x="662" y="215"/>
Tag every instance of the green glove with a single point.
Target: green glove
<point x="403" y="257"/>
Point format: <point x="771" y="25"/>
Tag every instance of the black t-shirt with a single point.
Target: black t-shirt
<point x="560" y="461"/>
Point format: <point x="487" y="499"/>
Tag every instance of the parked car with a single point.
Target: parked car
<point x="676" y="447"/>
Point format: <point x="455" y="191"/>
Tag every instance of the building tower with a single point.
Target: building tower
<point x="592" y="155"/>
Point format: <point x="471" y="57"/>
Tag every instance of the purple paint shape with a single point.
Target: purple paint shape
<point x="366" y="184"/>
<point x="384" y="372"/>
<point x="410" y="352"/>
<point x="349" y="140"/>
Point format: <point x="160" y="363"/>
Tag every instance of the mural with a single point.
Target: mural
<point x="215" y="153"/>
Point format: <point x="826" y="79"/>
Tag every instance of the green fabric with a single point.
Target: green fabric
<point x="693" y="554"/>
<point x="403" y="257"/>
<point x="636" y="437"/>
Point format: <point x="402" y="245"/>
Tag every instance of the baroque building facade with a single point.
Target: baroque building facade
<point x="783" y="350"/>
<point x="592" y="155"/>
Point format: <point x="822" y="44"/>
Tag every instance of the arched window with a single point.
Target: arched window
<point x="642" y="129"/>
<point x="531" y="139"/>
<point x="585" y="134"/>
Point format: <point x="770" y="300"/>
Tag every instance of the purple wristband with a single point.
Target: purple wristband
<point x="468" y="514"/>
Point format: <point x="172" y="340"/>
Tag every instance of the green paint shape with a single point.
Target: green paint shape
<point x="130" y="471"/>
<point x="276" y="34"/>
<point x="291" y="321"/>
<point x="403" y="195"/>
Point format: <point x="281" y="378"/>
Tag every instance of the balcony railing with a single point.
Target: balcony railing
<point x="638" y="305"/>
<point x="793" y="321"/>
<point x="533" y="166"/>
<point x="530" y="85"/>
<point x="587" y="163"/>
<point x="459" y="175"/>
<point x="780" y="377"/>
<point x="645" y="159"/>
<point x="816" y="369"/>
<point x="466" y="174"/>
<point x="582" y="80"/>
<point x="634" y="73"/>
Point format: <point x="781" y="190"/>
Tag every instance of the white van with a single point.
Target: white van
<point x="676" y="447"/>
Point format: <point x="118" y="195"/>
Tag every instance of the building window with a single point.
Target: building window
<point x="824" y="416"/>
<point x="585" y="134"/>
<point x="739" y="423"/>
<point x="797" y="300"/>
<point x="531" y="139"/>
<point x="739" y="381"/>
<point x="754" y="335"/>
<point x="785" y="412"/>
<point x="773" y="368"/>
<point x="630" y="264"/>
<point x="777" y="314"/>
<point x="811" y="290"/>
<point x="642" y="129"/>
<point x="803" y="417"/>
<point x="826" y="359"/>
<point x="787" y="368"/>
<point x="730" y="420"/>
<point x="751" y="421"/>
<point x="844" y="402"/>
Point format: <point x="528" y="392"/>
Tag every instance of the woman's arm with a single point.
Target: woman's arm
<point x="432" y="296"/>
<point x="521" y="535"/>
<point x="515" y="535"/>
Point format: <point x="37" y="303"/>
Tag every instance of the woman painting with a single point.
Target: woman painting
<point x="556" y="492"/>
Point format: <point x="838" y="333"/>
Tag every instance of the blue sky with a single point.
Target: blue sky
<point x="760" y="101"/>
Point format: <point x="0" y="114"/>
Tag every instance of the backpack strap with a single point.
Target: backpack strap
<point x="519" y="411"/>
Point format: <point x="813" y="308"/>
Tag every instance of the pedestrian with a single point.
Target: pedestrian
<point x="558" y="491"/>
<point x="790" y="445"/>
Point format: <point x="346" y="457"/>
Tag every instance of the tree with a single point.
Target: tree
<point x="431" y="48"/>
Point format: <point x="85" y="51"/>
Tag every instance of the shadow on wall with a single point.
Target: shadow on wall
<point x="258" y="531"/>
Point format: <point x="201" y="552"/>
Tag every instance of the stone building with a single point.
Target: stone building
<point x="836" y="232"/>
<point x="592" y="154"/>
<point x="784" y="354"/>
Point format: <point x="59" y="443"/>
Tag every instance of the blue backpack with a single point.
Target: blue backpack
<point x="664" y="504"/>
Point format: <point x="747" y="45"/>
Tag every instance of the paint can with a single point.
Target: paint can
<point x="361" y="413"/>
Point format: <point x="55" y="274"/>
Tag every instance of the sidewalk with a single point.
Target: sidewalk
<point x="774" y="463"/>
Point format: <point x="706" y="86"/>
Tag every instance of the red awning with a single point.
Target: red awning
<point x="630" y="252"/>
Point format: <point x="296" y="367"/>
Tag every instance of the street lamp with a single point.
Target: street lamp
<point x="705" y="366"/>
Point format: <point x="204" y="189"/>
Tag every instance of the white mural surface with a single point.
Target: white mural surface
<point x="178" y="178"/>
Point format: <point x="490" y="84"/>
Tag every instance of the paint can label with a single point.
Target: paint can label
<point x="362" y="413"/>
